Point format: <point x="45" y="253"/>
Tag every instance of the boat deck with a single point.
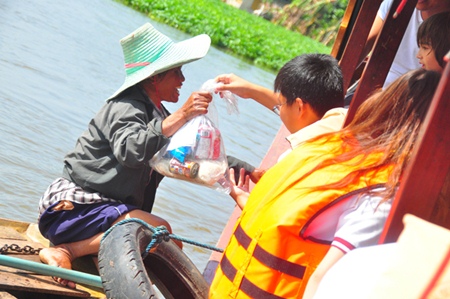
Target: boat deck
<point x="16" y="283"/>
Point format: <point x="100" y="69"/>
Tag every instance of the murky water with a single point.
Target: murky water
<point x="59" y="61"/>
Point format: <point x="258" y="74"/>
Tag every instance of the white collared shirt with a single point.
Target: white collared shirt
<point x="332" y="121"/>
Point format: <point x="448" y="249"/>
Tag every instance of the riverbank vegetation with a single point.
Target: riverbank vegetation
<point x="318" y="19"/>
<point x="250" y="37"/>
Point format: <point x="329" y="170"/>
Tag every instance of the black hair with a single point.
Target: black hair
<point x="435" y="32"/>
<point x="315" y="78"/>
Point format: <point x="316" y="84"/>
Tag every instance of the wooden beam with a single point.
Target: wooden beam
<point x="344" y="30"/>
<point x="357" y="40"/>
<point x="383" y="54"/>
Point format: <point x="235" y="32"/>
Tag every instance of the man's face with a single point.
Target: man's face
<point x="171" y="83"/>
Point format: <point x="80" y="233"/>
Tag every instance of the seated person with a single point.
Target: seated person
<point x="404" y="60"/>
<point x="278" y="249"/>
<point x="308" y="97"/>
<point x="106" y="177"/>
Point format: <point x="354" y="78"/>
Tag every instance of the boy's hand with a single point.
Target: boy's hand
<point x="240" y="191"/>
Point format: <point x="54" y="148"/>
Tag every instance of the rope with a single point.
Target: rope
<point x="160" y="234"/>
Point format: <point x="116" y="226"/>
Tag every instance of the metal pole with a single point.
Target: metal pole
<point x="72" y="275"/>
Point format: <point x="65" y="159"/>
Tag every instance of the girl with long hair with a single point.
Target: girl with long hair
<point x="328" y="196"/>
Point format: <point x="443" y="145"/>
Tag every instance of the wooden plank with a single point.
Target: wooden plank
<point x="19" y="226"/>
<point x="343" y="31"/>
<point x="214" y="259"/>
<point x="279" y="145"/>
<point x="10" y="233"/>
<point x="4" y="295"/>
<point x="382" y="55"/>
<point x="11" y="280"/>
<point x="16" y="277"/>
<point x="357" y="39"/>
<point x="21" y="231"/>
<point x="441" y="210"/>
<point x="425" y="176"/>
<point x="34" y="234"/>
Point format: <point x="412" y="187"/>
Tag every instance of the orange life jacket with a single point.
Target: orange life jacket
<point x="267" y="256"/>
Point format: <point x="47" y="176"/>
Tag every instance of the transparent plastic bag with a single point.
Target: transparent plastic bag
<point x="229" y="98"/>
<point x="196" y="154"/>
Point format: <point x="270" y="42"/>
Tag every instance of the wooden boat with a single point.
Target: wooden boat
<point x="426" y="182"/>
<point x="18" y="236"/>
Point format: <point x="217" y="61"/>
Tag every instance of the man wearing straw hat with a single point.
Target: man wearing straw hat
<point x="106" y="177"/>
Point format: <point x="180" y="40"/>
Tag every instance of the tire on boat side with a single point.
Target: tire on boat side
<point x="125" y="275"/>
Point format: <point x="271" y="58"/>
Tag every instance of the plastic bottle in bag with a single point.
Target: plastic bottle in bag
<point x="204" y="142"/>
<point x="208" y="143"/>
<point x="216" y="144"/>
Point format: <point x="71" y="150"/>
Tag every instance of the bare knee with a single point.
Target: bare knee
<point x="151" y="219"/>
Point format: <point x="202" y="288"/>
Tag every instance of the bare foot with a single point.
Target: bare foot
<point x="58" y="256"/>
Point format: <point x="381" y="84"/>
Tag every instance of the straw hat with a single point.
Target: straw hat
<point x="148" y="52"/>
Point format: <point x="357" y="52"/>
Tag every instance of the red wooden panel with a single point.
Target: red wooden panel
<point x="357" y="39"/>
<point x="339" y="42"/>
<point x="382" y="55"/>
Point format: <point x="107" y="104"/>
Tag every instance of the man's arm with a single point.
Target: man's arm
<point x="246" y="90"/>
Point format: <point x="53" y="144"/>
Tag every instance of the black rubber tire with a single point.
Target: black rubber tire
<point x="125" y="275"/>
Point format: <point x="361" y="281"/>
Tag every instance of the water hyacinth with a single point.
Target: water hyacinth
<point x="246" y="35"/>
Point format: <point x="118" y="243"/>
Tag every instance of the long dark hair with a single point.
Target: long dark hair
<point x="388" y="123"/>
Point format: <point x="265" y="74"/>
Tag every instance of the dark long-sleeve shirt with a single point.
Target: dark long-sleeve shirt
<point x="111" y="156"/>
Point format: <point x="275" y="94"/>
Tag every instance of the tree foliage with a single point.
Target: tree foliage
<point x="318" y="19"/>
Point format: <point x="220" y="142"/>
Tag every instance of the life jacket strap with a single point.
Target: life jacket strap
<point x="246" y="286"/>
<point x="269" y="259"/>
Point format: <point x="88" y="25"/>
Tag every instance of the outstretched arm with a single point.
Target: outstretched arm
<point x="246" y="90"/>
<point x="332" y="256"/>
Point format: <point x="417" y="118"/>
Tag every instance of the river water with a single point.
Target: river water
<point x="59" y="61"/>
